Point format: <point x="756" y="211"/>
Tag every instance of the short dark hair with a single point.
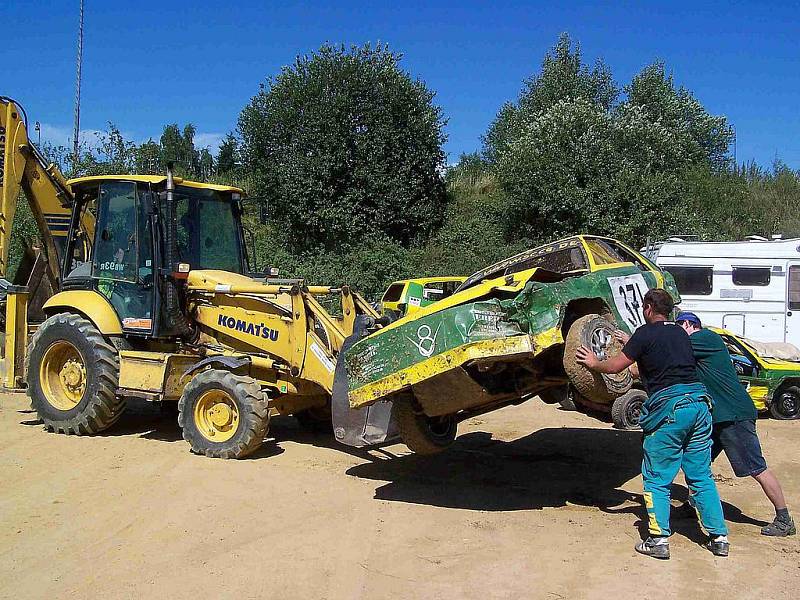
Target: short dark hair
<point x="660" y="301"/>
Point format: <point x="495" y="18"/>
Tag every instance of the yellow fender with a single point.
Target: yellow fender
<point x="89" y="303"/>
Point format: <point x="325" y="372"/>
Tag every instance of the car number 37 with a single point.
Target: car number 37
<point x="628" y="293"/>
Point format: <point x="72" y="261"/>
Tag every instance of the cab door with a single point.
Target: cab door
<point x="122" y="265"/>
<point x="792" y="307"/>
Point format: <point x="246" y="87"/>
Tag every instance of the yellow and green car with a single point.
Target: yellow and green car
<point x="409" y="295"/>
<point x="773" y="384"/>
<point x="507" y="334"/>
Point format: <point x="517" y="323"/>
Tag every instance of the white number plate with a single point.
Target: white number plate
<point x="628" y="295"/>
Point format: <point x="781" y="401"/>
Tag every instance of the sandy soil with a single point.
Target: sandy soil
<point x="531" y="502"/>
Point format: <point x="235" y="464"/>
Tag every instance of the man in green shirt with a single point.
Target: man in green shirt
<point x="734" y="419"/>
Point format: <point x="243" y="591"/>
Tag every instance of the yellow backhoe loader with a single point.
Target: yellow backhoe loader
<point x="154" y="299"/>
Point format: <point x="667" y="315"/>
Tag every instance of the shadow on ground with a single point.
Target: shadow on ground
<point x="548" y="468"/>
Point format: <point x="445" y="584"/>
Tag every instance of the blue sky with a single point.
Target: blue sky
<point x="151" y="63"/>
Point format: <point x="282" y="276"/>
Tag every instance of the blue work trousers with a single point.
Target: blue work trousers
<point x="683" y="441"/>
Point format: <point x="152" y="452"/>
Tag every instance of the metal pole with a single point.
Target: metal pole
<point x="76" y="130"/>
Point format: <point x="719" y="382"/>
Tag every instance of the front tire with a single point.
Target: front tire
<point x="223" y="415"/>
<point x="421" y="433"/>
<point x="627" y="409"/>
<point x="786" y="404"/>
<point x="72" y="372"/>
<point x="596" y="333"/>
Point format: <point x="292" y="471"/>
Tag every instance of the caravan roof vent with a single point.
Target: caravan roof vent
<point x="756" y="238"/>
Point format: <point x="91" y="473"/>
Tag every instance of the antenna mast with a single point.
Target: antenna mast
<point x="76" y="130"/>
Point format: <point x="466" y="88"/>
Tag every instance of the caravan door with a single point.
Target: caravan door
<point x="793" y="305"/>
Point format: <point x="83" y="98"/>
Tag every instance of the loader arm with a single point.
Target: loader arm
<point x="49" y="196"/>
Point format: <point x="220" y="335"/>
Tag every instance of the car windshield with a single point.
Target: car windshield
<point x="566" y="256"/>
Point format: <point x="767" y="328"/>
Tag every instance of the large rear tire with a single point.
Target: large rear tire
<point x="223" y="415"/>
<point x="597" y="334"/>
<point x="72" y="372"/>
<point x="786" y="404"/>
<point x="421" y="433"/>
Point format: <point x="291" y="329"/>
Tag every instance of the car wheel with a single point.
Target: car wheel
<point x="627" y="409"/>
<point x="596" y="333"/>
<point x="786" y="404"/>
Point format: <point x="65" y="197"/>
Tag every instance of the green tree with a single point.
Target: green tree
<point x="579" y="168"/>
<point x="703" y="137"/>
<point x="227" y="157"/>
<point x="346" y="145"/>
<point x="178" y="147"/>
<point x="563" y="76"/>
<point x="148" y="158"/>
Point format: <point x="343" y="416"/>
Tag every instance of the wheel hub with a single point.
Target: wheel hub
<point x="789" y="403"/>
<point x="62" y="375"/>
<point x="221" y="415"/>
<point x="216" y="415"/>
<point x="599" y="342"/>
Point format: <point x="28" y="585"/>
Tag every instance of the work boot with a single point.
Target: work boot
<point x="719" y="545"/>
<point x="779" y="528"/>
<point x="657" y="547"/>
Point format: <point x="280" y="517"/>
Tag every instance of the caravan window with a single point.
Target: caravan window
<point x="751" y="275"/>
<point x="692" y="281"/>
<point x="794" y="287"/>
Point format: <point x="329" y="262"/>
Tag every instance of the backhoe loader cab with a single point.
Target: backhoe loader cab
<point x="128" y="256"/>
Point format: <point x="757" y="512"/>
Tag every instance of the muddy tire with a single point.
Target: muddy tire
<point x="223" y="415"/>
<point x="627" y="409"/>
<point x="596" y="333"/>
<point x="316" y="420"/>
<point x="72" y="372"/>
<point x="421" y="433"/>
<point x="786" y="404"/>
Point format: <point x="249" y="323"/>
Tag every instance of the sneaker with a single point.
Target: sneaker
<point x="719" y="546"/>
<point x="779" y="528"/>
<point x="655" y="547"/>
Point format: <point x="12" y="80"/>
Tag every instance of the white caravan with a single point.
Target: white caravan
<point x="751" y="288"/>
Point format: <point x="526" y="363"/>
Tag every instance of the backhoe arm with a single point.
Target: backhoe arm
<point x="22" y="166"/>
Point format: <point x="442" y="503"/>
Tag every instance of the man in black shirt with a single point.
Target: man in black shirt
<point x="675" y="419"/>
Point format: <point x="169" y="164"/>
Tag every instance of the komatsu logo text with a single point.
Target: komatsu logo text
<point x="259" y="330"/>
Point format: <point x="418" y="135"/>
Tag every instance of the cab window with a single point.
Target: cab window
<point x="115" y="254"/>
<point x="207" y="230"/>
<point x="123" y="260"/>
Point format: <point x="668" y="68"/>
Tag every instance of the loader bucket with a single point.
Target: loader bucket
<point x="358" y="427"/>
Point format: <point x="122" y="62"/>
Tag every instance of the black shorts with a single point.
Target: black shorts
<point x="740" y="442"/>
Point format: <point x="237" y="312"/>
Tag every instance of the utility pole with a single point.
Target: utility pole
<point x="77" y="128"/>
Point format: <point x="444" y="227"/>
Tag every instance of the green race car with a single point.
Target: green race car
<point x="507" y="334"/>
<point x="773" y="384"/>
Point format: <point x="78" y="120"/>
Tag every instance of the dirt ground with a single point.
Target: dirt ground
<point x="531" y="502"/>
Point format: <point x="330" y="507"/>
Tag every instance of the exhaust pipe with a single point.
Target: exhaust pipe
<point x="173" y="312"/>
